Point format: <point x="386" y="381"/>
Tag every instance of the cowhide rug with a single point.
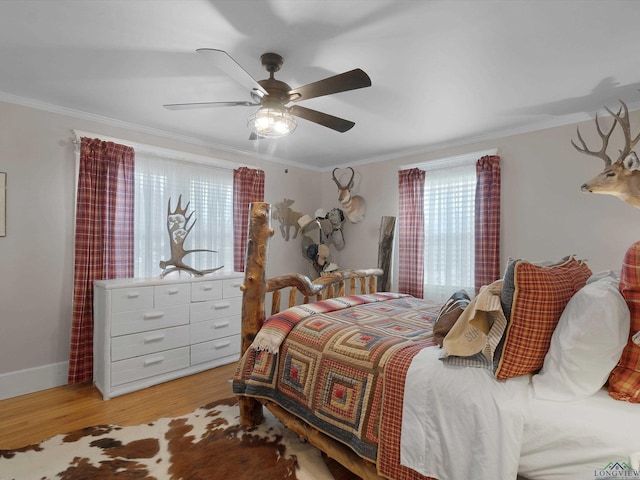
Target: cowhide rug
<point x="206" y="444"/>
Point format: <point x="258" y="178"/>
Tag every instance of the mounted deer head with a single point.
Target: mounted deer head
<point x="622" y="177"/>
<point x="354" y="206"/>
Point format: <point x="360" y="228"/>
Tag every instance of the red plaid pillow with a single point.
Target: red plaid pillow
<point x="541" y="293"/>
<point x="624" y="381"/>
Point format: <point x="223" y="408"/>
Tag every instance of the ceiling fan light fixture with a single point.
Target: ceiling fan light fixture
<point x="272" y="122"/>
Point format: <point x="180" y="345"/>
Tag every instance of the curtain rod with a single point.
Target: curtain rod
<point x="147" y="149"/>
<point x="453" y="161"/>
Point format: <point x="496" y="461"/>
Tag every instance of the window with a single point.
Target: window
<point x="449" y="222"/>
<point x="161" y="174"/>
<point x="441" y="202"/>
<point x="209" y="192"/>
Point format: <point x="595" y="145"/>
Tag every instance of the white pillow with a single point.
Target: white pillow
<point x="587" y="343"/>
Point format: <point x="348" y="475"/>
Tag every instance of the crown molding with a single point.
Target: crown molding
<point x="553" y="122"/>
<point x="113" y="122"/>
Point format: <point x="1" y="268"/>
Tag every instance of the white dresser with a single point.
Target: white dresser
<point x="149" y="331"/>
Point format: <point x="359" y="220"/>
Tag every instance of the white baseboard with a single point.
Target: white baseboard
<point x="31" y="380"/>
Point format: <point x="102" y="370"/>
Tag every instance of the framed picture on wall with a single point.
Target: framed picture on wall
<point x="3" y="204"/>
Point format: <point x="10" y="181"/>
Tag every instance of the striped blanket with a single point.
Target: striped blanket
<point x="332" y="366"/>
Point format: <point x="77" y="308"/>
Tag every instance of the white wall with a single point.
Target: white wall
<point x="544" y="215"/>
<point x="300" y="185"/>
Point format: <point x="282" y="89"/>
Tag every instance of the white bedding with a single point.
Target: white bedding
<point x="465" y="425"/>
<point x="453" y="428"/>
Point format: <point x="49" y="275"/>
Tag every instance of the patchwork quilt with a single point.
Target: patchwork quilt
<point x="331" y="365"/>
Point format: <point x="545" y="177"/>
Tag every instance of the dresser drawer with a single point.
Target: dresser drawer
<point x="176" y="294"/>
<point x="146" y="366"/>
<point x="225" y="307"/>
<point x="127" y="346"/>
<point x="208" y="351"/>
<point x="231" y="287"/>
<point x="152" y="319"/>
<point x="203" y="291"/>
<point x="130" y="299"/>
<point x="212" y="329"/>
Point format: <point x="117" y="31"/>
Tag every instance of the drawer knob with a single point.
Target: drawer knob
<point x="221" y="325"/>
<point x="154" y="338"/>
<point x="206" y="288"/>
<point x="133" y="294"/>
<point x="153" y="316"/>
<point x="153" y="361"/>
<point x="222" y="345"/>
<point x="173" y="291"/>
<point x="220" y="306"/>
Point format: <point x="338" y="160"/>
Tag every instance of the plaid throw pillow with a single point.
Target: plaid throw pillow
<point x="540" y="295"/>
<point x="508" y="285"/>
<point x="624" y="381"/>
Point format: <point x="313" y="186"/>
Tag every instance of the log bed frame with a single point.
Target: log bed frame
<point x="255" y="288"/>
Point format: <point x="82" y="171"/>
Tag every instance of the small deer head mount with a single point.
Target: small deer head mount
<point x="354" y="206"/>
<point x="622" y="177"/>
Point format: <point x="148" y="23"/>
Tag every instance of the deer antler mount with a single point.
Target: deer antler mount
<point x="179" y="227"/>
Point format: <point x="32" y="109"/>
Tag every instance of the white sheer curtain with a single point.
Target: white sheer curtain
<point x="449" y="206"/>
<point x="210" y="193"/>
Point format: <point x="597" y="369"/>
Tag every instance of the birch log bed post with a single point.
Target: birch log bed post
<point x="254" y="290"/>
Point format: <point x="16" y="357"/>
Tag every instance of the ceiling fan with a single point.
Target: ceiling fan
<point x="274" y="118"/>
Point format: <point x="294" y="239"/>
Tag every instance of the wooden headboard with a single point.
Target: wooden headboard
<point x="256" y="287"/>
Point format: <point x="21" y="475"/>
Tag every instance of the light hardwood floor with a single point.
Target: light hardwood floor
<point x="37" y="416"/>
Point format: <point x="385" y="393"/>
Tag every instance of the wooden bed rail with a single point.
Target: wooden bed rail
<point x="346" y="457"/>
<point x="328" y="286"/>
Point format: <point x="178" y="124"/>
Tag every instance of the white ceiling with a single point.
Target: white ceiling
<point x="444" y="73"/>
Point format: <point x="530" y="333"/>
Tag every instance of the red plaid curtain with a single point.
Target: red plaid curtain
<point x="248" y="186"/>
<point x="411" y="232"/>
<point x="104" y="238"/>
<point x="487" y="221"/>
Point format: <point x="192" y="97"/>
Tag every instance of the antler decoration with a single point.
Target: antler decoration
<point x="602" y="153"/>
<point x="623" y="120"/>
<point x="179" y="228"/>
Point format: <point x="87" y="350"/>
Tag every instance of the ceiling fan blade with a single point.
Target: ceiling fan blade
<point x="338" y="83"/>
<point x="228" y="65"/>
<point x="187" y="106"/>
<point x="324" y="119"/>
